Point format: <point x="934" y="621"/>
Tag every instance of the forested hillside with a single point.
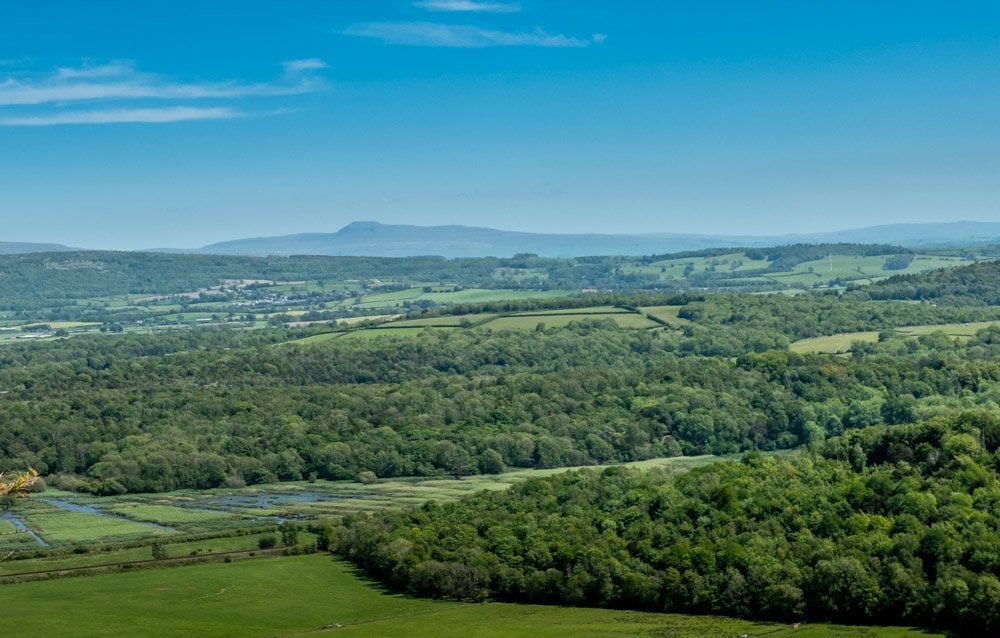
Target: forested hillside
<point x="208" y="407"/>
<point x="881" y="525"/>
<point x="975" y="285"/>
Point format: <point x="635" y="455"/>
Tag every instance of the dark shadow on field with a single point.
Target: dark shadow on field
<point x="368" y="580"/>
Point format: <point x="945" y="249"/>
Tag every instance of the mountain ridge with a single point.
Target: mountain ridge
<point x="370" y="238"/>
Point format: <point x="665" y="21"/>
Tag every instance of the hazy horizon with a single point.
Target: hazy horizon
<point x="155" y="125"/>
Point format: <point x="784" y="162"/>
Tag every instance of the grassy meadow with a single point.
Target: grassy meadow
<point x="320" y="595"/>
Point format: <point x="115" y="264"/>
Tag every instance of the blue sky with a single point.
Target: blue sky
<point x="143" y="124"/>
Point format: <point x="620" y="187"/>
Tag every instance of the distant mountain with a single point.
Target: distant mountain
<point x="931" y="235"/>
<point x="21" y="248"/>
<point x="385" y="240"/>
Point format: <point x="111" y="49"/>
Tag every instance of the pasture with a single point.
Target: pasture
<point x="317" y="594"/>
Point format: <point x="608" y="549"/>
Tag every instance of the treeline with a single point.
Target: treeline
<point x="206" y="408"/>
<point x="884" y="525"/>
<point x="814" y="315"/>
<point x="972" y="285"/>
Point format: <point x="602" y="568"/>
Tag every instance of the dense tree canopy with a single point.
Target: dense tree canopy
<point x="887" y="525"/>
<point x="198" y="409"/>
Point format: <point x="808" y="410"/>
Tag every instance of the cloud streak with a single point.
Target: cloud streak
<point x="120" y="81"/>
<point x="468" y="6"/>
<point x="433" y="34"/>
<point x="123" y="116"/>
<point x="300" y="66"/>
<point x="117" y="93"/>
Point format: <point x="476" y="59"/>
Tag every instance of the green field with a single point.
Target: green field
<point x="832" y="344"/>
<point x="60" y="526"/>
<point x="841" y="343"/>
<point x="313" y="594"/>
<point x="951" y="329"/>
<point x="109" y="555"/>
<point x="167" y="515"/>
<point x="667" y="314"/>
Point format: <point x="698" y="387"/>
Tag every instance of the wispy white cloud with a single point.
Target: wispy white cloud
<point x="309" y="64"/>
<point x="434" y="34"/>
<point x="84" y="95"/>
<point x="125" y="115"/>
<point x="468" y="6"/>
<point x="117" y="68"/>
<point x="120" y="81"/>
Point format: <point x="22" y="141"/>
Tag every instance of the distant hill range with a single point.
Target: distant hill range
<point x="385" y="240"/>
<point x="21" y="248"/>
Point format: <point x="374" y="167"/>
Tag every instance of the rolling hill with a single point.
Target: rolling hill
<point x="21" y="248"/>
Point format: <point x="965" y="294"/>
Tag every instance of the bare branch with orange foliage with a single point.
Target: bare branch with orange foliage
<point x="19" y="484"/>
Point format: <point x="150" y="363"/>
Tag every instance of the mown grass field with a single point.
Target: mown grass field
<point x="300" y="595"/>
